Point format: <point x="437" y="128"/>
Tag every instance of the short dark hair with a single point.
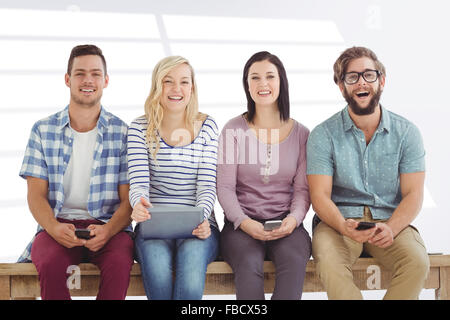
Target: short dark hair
<point x="84" y="50"/>
<point x="340" y="66"/>
<point x="283" y="98"/>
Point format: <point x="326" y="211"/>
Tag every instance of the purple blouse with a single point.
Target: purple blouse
<point x="261" y="181"/>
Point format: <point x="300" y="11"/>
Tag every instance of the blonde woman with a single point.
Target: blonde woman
<point x="172" y="159"/>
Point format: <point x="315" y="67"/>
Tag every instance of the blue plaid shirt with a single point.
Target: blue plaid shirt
<point x="48" y="153"/>
<point x="365" y="175"/>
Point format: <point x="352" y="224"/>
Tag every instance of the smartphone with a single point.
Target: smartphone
<point x="365" y="225"/>
<point x="272" y="224"/>
<point x="83" y="234"/>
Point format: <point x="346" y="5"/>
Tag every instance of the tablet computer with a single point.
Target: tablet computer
<point x="171" y="222"/>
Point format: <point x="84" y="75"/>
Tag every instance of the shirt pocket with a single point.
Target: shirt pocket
<point x="387" y="167"/>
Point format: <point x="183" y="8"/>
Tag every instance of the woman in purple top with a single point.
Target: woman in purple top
<point x="261" y="177"/>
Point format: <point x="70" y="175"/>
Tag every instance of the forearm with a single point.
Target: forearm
<point x="226" y="194"/>
<point x="138" y="164"/>
<point x="301" y="199"/>
<point x="207" y="181"/>
<point x="328" y="212"/>
<point x="320" y="187"/>
<point x="206" y="198"/>
<point x="412" y="186"/>
<point x="229" y="202"/>
<point x="41" y="211"/>
<point x="122" y="216"/>
<point x="120" y="219"/>
<point x="299" y="207"/>
<point x="136" y="193"/>
<point x="406" y="212"/>
<point x="38" y="203"/>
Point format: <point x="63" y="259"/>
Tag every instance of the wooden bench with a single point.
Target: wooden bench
<point x="20" y="280"/>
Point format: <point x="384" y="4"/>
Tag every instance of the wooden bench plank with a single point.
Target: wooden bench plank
<point x="5" y="288"/>
<point x="20" y="280"/>
<point x="443" y="293"/>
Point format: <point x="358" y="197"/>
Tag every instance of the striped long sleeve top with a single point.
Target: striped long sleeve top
<point x="183" y="175"/>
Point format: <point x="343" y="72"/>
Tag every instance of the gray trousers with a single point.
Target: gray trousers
<point x="246" y="256"/>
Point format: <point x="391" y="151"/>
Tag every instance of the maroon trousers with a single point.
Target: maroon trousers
<point x="53" y="260"/>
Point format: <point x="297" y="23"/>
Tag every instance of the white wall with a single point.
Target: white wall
<point x="410" y="37"/>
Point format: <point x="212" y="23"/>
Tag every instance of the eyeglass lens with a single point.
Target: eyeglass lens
<point x="353" y="77"/>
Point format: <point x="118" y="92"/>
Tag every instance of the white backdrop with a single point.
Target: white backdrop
<point x="410" y="38"/>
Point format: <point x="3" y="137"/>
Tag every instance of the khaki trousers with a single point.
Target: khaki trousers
<point x="334" y="255"/>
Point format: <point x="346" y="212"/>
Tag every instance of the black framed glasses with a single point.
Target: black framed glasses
<point x="368" y="75"/>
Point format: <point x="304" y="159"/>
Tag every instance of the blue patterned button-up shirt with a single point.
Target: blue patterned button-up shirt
<point x="48" y="153"/>
<point x="365" y="175"/>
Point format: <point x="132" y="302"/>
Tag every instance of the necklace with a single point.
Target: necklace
<point x="265" y="178"/>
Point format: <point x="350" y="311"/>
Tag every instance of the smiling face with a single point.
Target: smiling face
<point x="263" y="83"/>
<point x="86" y="81"/>
<point x="362" y="97"/>
<point x="177" y="89"/>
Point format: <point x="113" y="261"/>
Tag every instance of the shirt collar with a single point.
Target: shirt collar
<point x="385" y="122"/>
<point x="64" y="118"/>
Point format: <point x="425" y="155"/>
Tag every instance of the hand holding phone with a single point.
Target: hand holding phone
<point x="83" y="234"/>
<point x="363" y="225"/>
<point x="272" y="224"/>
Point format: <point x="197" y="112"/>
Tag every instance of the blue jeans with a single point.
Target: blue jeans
<point x="189" y="259"/>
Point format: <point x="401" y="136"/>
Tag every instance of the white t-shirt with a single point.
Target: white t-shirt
<point x="77" y="177"/>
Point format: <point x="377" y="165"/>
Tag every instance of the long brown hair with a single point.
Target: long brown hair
<point x="283" y="97"/>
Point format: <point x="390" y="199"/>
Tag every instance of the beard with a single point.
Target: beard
<point x="86" y="102"/>
<point x="373" y="103"/>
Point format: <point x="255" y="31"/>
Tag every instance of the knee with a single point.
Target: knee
<point x="192" y="281"/>
<point x="417" y="265"/>
<point x="118" y="262"/>
<point x="292" y="255"/>
<point x="326" y="268"/>
<point x="52" y="266"/>
<point x="247" y="267"/>
<point x="190" y="289"/>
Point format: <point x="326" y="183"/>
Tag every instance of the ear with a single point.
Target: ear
<point x="67" y="79"/>
<point x="341" y="85"/>
<point x="382" y="82"/>
<point x="106" y="81"/>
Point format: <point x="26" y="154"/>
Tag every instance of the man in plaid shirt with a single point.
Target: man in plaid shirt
<point x="75" y="165"/>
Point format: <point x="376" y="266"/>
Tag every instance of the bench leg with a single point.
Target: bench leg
<point x="5" y="288"/>
<point x="443" y="293"/>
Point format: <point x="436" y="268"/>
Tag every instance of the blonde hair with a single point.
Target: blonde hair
<point x="154" y="111"/>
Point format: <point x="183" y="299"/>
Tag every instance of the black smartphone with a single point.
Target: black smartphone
<point x="83" y="234"/>
<point x="365" y="225"/>
<point x="272" y="224"/>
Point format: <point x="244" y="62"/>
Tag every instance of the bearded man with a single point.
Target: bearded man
<point x="366" y="164"/>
